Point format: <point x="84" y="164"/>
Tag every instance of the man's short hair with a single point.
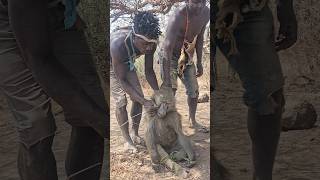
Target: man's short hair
<point x="147" y="24"/>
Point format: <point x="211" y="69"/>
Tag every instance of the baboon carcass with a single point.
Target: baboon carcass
<point x="165" y="129"/>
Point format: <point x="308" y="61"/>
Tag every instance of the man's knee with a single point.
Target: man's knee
<point x="41" y="145"/>
<point x="194" y="93"/>
<point x="267" y="104"/>
<point x="41" y="125"/>
<point x="279" y="99"/>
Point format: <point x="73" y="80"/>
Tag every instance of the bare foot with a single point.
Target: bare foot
<point x="130" y="148"/>
<point x="138" y="140"/>
<point x="199" y="127"/>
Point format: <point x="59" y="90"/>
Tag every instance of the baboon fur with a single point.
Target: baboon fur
<point x="165" y="129"/>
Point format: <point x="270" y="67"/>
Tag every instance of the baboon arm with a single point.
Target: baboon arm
<point x="183" y="140"/>
<point x="151" y="143"/>
<point x="175" y="167"/>
<point x="186" y="145"/>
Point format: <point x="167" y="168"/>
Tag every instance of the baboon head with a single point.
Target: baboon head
<point x="165" y="100"/>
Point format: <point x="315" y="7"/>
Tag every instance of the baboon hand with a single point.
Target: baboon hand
<point x="150" y="107"/>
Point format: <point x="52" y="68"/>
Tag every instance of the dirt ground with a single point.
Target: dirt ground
<point x="138" y="166"/>
<point x="298" y="154"/>
<point x="9" y="144"/>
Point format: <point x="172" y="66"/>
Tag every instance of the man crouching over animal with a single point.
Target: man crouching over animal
<point x="164" y="128"/>
<point x="126" y="45"/>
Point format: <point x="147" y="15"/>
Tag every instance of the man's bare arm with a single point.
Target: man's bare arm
<point x="199" y="49"/>
<point x="287" y="35"/>
<point x="199" y="45"/>
<point x="168" y="46"/>
<point x="121" y="73"/>
<point x="149" y="71"/>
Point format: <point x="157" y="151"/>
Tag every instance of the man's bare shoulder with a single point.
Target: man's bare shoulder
<point x="179" y="10"/>
<point x="119" y="34"/>
<point x="116" y="39"/>
<point x="117" y="44"/>
<point x="175" y="19"/>
<point x="179" y="13"/>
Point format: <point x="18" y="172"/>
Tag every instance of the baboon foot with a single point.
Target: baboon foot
<point x="178" y="155"/>
<point x="130" y="148"/>
<point x="199" y="127"/>
<point x="137" y="140"/>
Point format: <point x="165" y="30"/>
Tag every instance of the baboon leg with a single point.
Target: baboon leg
<point x="151" y="143"/>
<point x="185" y="143"/>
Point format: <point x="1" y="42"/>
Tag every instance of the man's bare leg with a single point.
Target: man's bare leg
<point x="264" y="131"/>
<point x="136" y="113"/>
<point x="193" y="104"/>
<point x="122" y="118"/>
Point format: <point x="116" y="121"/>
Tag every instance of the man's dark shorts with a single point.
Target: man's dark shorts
<point x="257" y="63"/>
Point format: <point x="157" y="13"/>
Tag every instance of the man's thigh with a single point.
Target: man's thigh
<point x="72" y="51"/>
<point x="118" y="94"/>
<point x="29" y="104"/>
